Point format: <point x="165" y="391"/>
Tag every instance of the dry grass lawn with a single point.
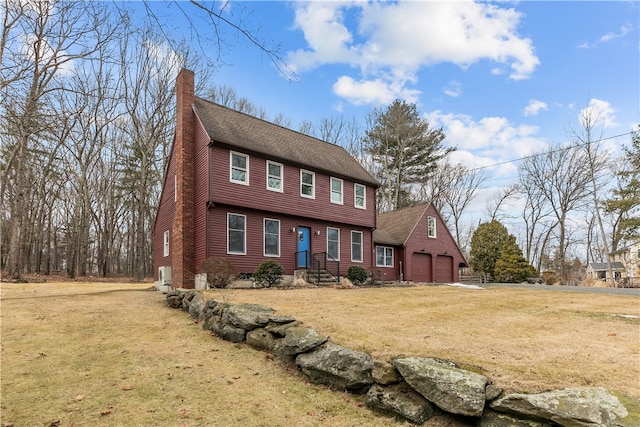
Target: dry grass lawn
<point x="524" y="340"/>
<point x="112" y="354"/>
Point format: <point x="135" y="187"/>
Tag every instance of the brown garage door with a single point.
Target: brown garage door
<point x="421" y="268"/>
<point x="444" y="269"/>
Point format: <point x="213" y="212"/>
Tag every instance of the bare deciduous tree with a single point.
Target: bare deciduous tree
<point x="562" y="181"/>
<point x="46" y="42"/>
<point x="597" y="161"/>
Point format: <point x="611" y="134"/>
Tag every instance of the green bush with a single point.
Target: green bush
<point x="357" y="275"/>
<point x="268" y="273"/>
<point x="220" y="272"/>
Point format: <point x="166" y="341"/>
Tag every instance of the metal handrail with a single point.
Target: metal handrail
<point x="325" y="262"/>
<point x="316" y="263"/>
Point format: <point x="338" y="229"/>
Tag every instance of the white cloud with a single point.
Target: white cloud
<point x="377" y="92"/>
<point x="453" y="89"/>
<point x="47" y="54"/>
<point x="488" y="141"/>
<point x="393" y="41"/>
<point x="534" y="107"/>
<point x="599" y="112"/>
<point x="624" y="30"/>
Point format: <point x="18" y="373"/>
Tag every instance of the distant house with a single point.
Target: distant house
<point x="247" y="190"/>
<point x="414" y="244"/>
<point x="625" y="266"/>
<point x="600" y="270"/>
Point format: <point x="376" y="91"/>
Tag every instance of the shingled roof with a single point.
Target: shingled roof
<point x="601" y="266"/>
<point x="395" y="227"/>
<point x="251" y="134"/>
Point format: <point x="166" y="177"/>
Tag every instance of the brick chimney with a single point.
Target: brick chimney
<point x="183" y="230"/>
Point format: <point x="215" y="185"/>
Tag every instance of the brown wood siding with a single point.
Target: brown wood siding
<point x="288" y="239"/>
<point x="442" y="244"/>
<point x="289" y="202"/>
<point x="164" y="218"/>
<point x="201" y="161"/>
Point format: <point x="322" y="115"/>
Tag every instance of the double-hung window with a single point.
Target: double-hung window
<point x="360" y="196"/>
<point x="431" y="226"/>
<point x="271" y="237"/>
<point x="236" y="234"/>
<point x="384" y="256"/>
<point x="274" y="176"/>
<point x="239" y="172"/>
<point x="356" y="246"/>
<point x="307" y="184"/>
<point x="333" y="243"/>
<point x="166" y="243"/>
<point x="336" y="191"/>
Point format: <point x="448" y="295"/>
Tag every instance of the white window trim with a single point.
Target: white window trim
<point x="235" y="181"/>
<point x="431" y="219"/>
<point x="327" y="231"/>
<point x="281" y="189"/>
<point x="166" y="243"/>
<point x="264" y="236"/>
<point x="355" y="196"/>
<point x="313" y="185"/>
<point x="385" y="257"/>
<point x="244" y="235"/>
<point x="361" y="246"/>
<point x="339" y="202"/>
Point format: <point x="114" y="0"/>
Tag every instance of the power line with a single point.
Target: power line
<point x="553" y="151"/>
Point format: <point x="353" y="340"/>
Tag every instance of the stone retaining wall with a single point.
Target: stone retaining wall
<point x="414" y="388"/>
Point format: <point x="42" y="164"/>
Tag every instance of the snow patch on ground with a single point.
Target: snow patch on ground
<point x="463" y="285"/>
<point x="626" y="316"/>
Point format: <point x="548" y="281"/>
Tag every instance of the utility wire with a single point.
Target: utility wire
<point x="553" y="151"/>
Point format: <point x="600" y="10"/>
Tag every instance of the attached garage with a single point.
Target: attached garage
<point x="444" y="269"/>
<point x="424" y="249"/>
<point x="421" y="267"/>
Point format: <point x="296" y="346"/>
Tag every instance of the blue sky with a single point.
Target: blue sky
<point x="503" y="79"/>
<point x="518" y="78"/>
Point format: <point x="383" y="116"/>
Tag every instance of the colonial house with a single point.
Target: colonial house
<point x="244" y="189"/>
<point x="629" y="256"/>
<point x="625" y="266"/>
<point x="600" y="271"/>
<point x="414" y="244"/>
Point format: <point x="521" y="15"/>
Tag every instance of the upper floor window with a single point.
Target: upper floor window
<point x="236" y="233"/>
<point x="333" y="243"/>
<point x="360" y="196"/>
<point x="166" y="243"/>
<point x="274" y="176"/>
<point x="431" y="224"/>
<point x="239" y="168"/>
<point x="384" y="256"/>
<point x="356" y="246"/>
<point x="271" y="237"/>
<point x="336" y="191"/>
<point x="307" y="184"/>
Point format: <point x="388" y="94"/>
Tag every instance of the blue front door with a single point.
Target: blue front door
<point x="304" y="246"/>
